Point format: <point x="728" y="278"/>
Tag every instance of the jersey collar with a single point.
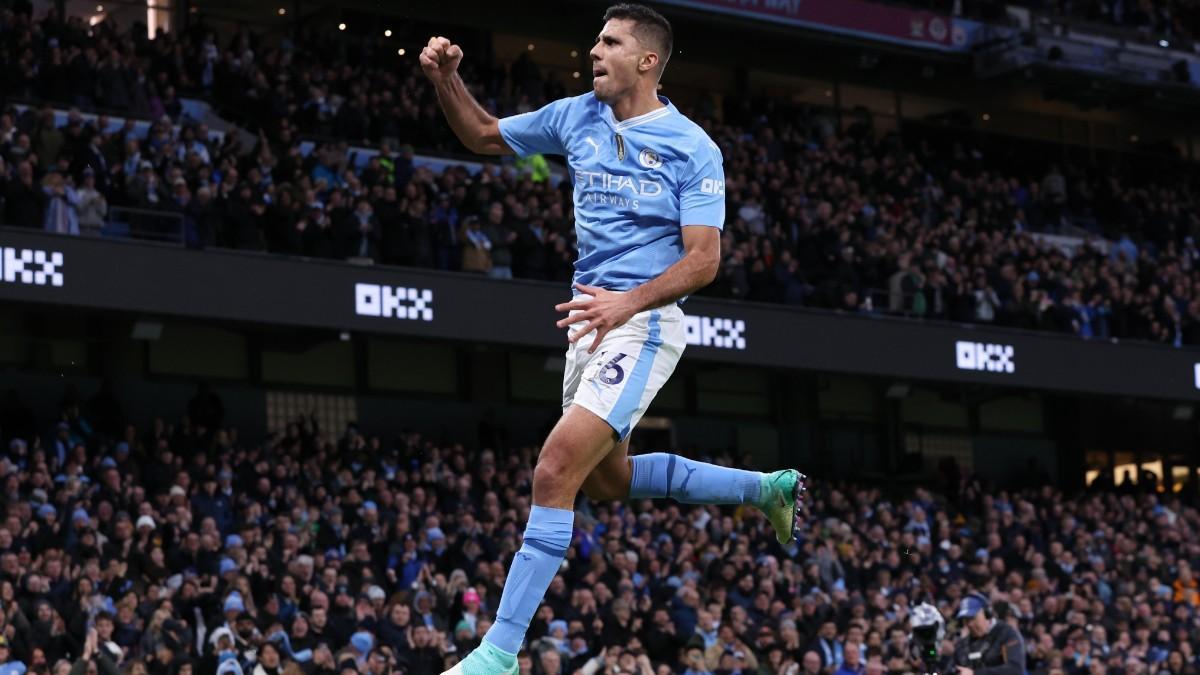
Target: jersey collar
<point x="644" y="118"/>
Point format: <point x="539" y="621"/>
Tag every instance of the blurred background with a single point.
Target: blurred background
<point x="959" y="265"/>
<point x="1024" y="165"/>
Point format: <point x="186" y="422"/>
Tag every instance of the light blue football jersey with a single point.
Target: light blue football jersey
<point x="637" y="183"/>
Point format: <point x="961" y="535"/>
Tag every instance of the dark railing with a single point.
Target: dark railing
<point x="130" y="223"/>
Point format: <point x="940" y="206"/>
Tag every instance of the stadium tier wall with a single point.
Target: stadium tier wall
<point x="453" y="355"/>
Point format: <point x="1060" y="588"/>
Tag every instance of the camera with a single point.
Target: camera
<point x="925" y="643"/>
<point x="928" y="631"/>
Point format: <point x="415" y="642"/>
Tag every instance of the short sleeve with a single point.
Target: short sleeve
<point x="539" y="131"/>
<point x="702" y="188"/>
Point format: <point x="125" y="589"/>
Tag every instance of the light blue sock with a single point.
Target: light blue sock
<point x="547" y="537"/>
<point x="658" y="475"/>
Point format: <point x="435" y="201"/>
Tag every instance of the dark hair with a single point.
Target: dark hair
<point x="650" y="28"/>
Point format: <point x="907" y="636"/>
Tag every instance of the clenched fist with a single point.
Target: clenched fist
<point x="440" y="58"/>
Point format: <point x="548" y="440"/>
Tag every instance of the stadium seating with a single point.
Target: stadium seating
<point x="189" y="549"/>
<point x="337" y="546"/>
<point x="1171" y="19"/>
<point x="816" y="216"/>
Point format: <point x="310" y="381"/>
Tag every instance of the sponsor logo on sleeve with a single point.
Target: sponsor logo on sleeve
<point x="712" y="186"/>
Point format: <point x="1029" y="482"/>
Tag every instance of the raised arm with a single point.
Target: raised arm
<point x="474" y="126"/>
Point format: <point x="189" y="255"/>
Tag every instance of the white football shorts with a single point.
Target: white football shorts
<point x="619" y="380"/>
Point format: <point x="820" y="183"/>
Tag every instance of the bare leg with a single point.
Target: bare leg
<point x="577" y="444"/>
<point x="611" y="478"/>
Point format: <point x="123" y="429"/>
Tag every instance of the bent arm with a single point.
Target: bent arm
<point x="478" y="129"/>
<point x="695" y="270"/>
<point x="1013" y="654"/>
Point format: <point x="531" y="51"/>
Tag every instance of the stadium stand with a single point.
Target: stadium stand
<point x="819" y="217"/>
<point x="184" y="547"/>
<point x="1155" y="18"/>
<point x="322" y="550"/>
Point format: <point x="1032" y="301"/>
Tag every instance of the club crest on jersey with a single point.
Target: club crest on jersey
<point x="649" y="159"/>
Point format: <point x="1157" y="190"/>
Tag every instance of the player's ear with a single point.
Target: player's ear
<point x="648" y="63"/>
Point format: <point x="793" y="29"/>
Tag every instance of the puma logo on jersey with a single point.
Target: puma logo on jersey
<point x="595" y="146"/>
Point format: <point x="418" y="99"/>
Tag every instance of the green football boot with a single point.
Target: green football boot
<point x="780" y="496"/>
<point x="486" y="659"/>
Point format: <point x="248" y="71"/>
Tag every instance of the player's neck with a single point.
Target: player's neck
<point x="637" y="103"/>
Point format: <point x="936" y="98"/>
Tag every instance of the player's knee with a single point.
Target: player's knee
<point x="553" y="472"/>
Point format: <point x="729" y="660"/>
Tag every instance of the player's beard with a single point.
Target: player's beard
<point x="600" y="88"/>
<point x="608" y="90"/>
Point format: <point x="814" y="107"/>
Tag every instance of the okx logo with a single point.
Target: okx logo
<point x="31" y="266"/>
<point x="719" y="333"/>
<point x="986" y="357"/>
<point x="414" y="304"/>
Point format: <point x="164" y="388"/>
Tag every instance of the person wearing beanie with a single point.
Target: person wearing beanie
<point x="363" y="642"/>
<point x="233" y="607"/>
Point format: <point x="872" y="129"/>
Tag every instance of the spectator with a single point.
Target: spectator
<point x="362" y="235"/>
<point x="93" y="206"/>
<point x="530" y="249"/>
<point x="1186" y="589"/>
<point x="477" y="247"/>
<point x="919" y="232"/>
<point x="317" y="232"/>
<point x="62" y="202"/>
<point x="283" y="556"/>
<point x="445" y="223"/>
<point x="92" y="160"/>
<point x="851" y="664"/>
<point x="24" y="204"/>
<point x="729" y="649"/>
<point x="501" y="236"/>
<point x="827" y="647"/>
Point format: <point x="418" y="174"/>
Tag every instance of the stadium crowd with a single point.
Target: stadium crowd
<point x="1152" y="19"/>
<point x="816" y="216"/>
<point x="184" y="548"/>
<point x="1157" y="18"/>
